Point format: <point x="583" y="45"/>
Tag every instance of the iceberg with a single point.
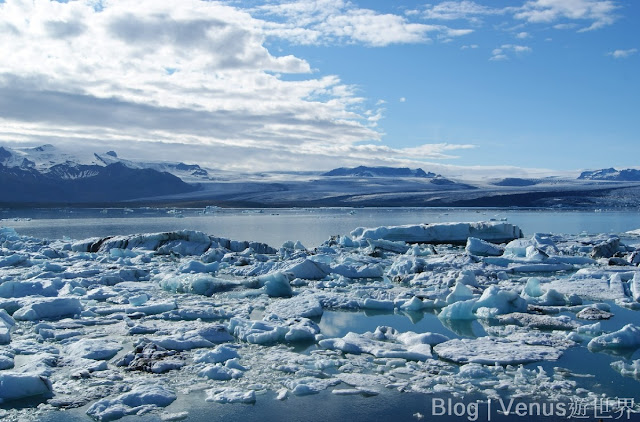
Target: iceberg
<point x="455" y="233"/>
<point x="48" y="308"/>
<point x="481" y="247"/>
<point x="14" y="386"/>
<point x="628" y="337"/>
<point x="141" y="399"/>
<point x="494" y="351"/>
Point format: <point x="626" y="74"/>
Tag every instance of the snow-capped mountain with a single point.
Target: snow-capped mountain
<point x="627" y="175"/>
<point x="47" y="175"/>
<point x="363" y="171"/>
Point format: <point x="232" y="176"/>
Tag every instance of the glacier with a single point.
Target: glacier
<point x="88" y="323"/>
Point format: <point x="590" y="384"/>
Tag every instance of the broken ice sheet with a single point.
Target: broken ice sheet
<point x="87" y="323"/>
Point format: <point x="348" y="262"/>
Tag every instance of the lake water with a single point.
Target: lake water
<point x="311" y="226"/>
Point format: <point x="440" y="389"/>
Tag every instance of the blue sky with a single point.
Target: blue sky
<point x="455" y="86"/>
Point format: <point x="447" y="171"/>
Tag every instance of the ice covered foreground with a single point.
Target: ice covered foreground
<point x="127" y="324"/>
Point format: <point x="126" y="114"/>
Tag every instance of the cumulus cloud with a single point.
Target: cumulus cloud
<point x="194" y="73"/>
<point x="337" y="21"/>
<point x="594" y="13"/>
<point x="599" y="13"/>
<point x="623" y="54"/>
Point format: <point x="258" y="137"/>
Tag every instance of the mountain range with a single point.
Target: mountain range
<point x="627" y="175"/>
<point x="44" y="175"/>
<point x="49" y="176"/>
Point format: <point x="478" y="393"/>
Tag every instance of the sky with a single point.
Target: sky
<point x="515" y="87"/>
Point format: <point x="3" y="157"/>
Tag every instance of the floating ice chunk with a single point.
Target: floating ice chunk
<point x="532" y="289"/>
<point x="606" y="249"/>
<point x="6" y="362"/>
<point x="416" y="250"/>
<point x="408" y="338"/>
<point x="406" y="265"/>
<point x="462" y="310"/>
<point x="122" y="253"/>
<point x="205" y="337"/>
<point x="590" y="329"/>
<point x="309" y="385"/>
<point x="593" y="285"/>
<point x="634" y="287"/>
<point x="414" y="304"/>
<point x="307" y="269"/>
<point x="97" y="349"/>
<point x="141" y="399"/>
<point x="264" y="332"/>
<point x="14" y="386"/>
<point x="356" y="270"/>
<point x="192" y="266"/>
<point x="628" y="337"/>
<point x="46" y="308"/>
<point x="149" y="357"/>
<point x="202" y="284"/>
<point x="274" y="285"/>
<point x="628" y="369"/>
<point x="219" y="373"/>
<point x="13" y="260"/>
<point x="494" y="301"/>
<point x="305" y="305"/>
<point x="297" y="245"/>
<point x="460" y="292"/>
<point x="481" y="247"/>
<point x="593" y="313"/>
<point x="166" y="365"/>
<point x="457" y="233"/>
<point x="537" y="248"/>
<point x="361" y="343"/>
<point x="552" y="298"/>
<point x="387" y="245"/>
<point x="231" y="395"/>
<point x="467" y="277"/>
<point x="490" y="351"/>
<point x="218" y="355"/>
<point x="178" y="416"/>
<point x="542" y="322"/>
<point x="6" y="318"/>
<point x="138" y="300"/>
<point x="257" y="332"/>
<point x="532" y="253"/>
<point x="501" y="301"/>
<point x="23" y="288"/>
<point x="381" y="305"/>
<point x="5" y="331"/>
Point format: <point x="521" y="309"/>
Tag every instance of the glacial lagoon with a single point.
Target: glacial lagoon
<point x="375" y="373"/>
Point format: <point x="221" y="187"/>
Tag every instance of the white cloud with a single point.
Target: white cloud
<point x="454" y="10"/>
<point x="471" y="46"/>
<point x="501" y="53"/>
<point x="523" y="35"/>
<point x="194" y="73"/>
<point x="623" y="54"/>
<point x="337" y="21"/>
<point x="402" y="99"/>
<point x="598" y="12"/>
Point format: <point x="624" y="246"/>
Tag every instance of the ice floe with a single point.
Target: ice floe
<point x="91" y="322"/>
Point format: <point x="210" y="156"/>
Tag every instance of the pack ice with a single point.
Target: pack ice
<point x="126" y="325"/>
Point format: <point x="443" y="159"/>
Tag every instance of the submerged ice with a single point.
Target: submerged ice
<point x="88" y="322"/>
